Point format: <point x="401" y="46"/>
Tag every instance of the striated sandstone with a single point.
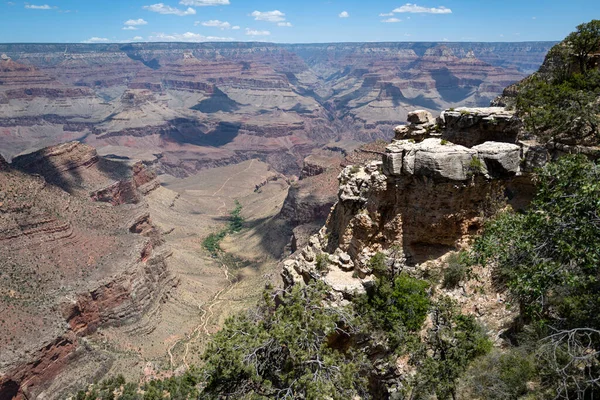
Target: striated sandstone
<point x="70" y="265"/>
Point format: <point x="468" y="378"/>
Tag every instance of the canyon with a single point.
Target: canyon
<point x="116" y="161"/>
<point x="186" y="107"/>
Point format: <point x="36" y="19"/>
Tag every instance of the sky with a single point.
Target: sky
<point x="285" y="21"/>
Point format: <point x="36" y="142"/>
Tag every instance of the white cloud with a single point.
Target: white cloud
<point x="129" y="28"/>
<point x="344" y="14"/>
<point x="34" y="7"/>
<point x="96" y="40"/>
<point x="415" y="9"/>
<point x="269" y="16"/>
<point x="164" y="9"/>
<point x="286" y="24"/>
<point x="215" y="23"/>
<point x="203" y="3"/>
<point x="235" y="27"/>
<point x="254" y="32"/>
<point x="186" y="37"/>
<point x="135" y="22"/>
<point x="391" y="20"/>
<point x="137" y="38"/>
<point x="386" y="14"/>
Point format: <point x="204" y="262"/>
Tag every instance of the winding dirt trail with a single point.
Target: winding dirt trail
<point x="207" y="314"/>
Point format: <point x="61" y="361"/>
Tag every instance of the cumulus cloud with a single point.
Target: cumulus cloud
<point x="137" y="38"/>
<point x="186" y="37"/>
<point x="254" y="32"/>
<point x="415" y="9"/>
<point x="344" y="14"/>
<point x="203" y="3"/>
<point x="164" y="9"/>
<point x="391" y="20"/>
<point x="129" y="28"/>
<point x="135" y="22"/>
<point x="286" y="24"/>
<point x="386" y="14"/>
<point x="215" y="23"/>
<point x="269" y="16"/>
<point x="42" y="7"/>
<point x="235" y="27"/>
<point x="96" y="40"/>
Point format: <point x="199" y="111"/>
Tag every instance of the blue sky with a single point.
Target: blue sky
<point x="298" y="21"/>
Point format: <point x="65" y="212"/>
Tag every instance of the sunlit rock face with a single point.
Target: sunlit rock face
<point x="187" y="107"/>
<point x="425" y="198"/>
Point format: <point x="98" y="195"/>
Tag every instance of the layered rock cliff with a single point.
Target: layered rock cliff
<point x="78" y="251"/>
<point x="430" y="193"/>
<point x="192" y="106"/>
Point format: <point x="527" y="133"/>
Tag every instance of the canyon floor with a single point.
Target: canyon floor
<point x="209" y="289"/>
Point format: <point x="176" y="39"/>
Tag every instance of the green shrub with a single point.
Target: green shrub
<point x="499" y="376"/>
<point x="452" y="343"/>
<point x="285" y="349"/>
<point x="444" y="142"/>
<point x="236" y="222"/>
<point x="401" y="303"/>
<point x="322" y="262"/>
<point x="455" y="271"/>
<point x="377" y="265"/>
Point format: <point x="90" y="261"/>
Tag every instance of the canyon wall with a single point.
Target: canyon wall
<point x="78" y="251"/>
<point x="186" y="107"/>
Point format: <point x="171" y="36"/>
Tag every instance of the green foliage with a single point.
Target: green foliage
<point x="476" y="166"/>
<point x="464" y="112"/>
<point x="444" y="142"/>
<point x="285" y="351"/>
<point x="549" y="257"/>
<point x="500" y="376"/>
<point x="452" y="343"/>
<point x="236" y="222"/>
<point x="182" y="387"/>
<point x="377" y="265"/>
<point x="354" y="169"/>
<point x="456" y="271"/>
<point x="560" y="103"/>
<point x="585" y="41"/>
<point x="322" y="262"/>
<point x="399" y="304"/>
<point x="549" y="260"/>
<point x="565" y="111"/>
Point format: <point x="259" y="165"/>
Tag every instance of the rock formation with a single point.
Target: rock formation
<point x="78" y="251"/>
<point x="186" y="107"/>
<point x="426" y="196"/>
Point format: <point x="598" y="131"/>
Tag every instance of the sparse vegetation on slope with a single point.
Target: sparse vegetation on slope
<point x="236" y="223"/>
<point x="548" y="259"/>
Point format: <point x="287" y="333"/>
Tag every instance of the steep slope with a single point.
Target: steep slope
<point x="78" y="252"/>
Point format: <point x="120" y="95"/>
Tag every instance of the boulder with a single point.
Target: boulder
<point x="419" y="117"/>
<point x="501" y="159"/>
<point x="393" y="163"/>
<point x="535" y="155"/>
<point x="473" y="126"/>
<point x="443" y="161"/>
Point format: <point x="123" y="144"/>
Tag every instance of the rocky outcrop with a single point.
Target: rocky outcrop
<point x="473" y="126"/>
<point x="425" y="198"/>
<point x="71" y="265"/>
